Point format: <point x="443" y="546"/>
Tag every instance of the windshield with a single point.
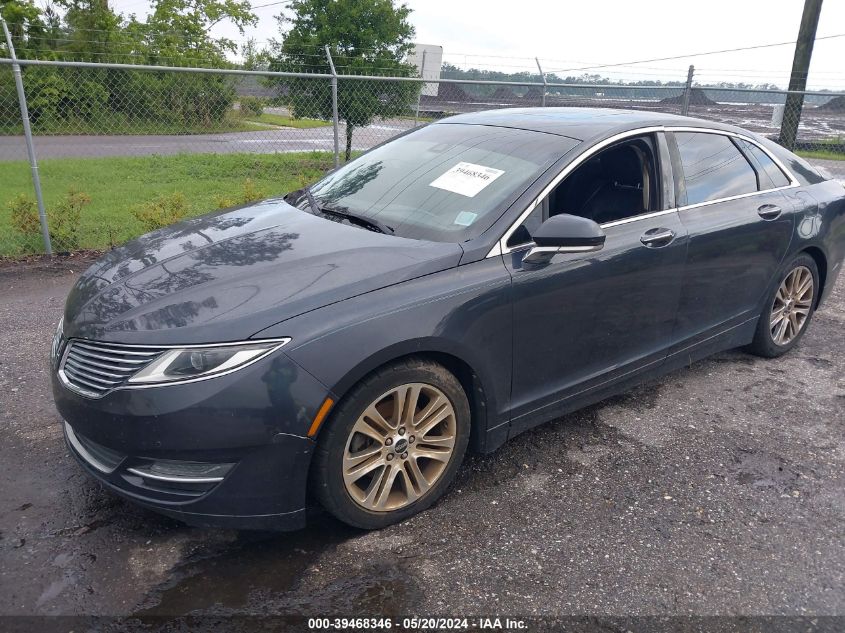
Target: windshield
<point x="445" y="182"/>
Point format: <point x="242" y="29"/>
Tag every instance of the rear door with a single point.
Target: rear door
<point x="739" y="227"/>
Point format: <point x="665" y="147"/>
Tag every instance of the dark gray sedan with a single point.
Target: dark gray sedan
<point x="447" y="290"/>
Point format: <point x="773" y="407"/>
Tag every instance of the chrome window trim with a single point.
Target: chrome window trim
<point x="737" y="197"/>
<point x="501" y="247"/>
<point x="636" y="218"/>
<point x="83" y="452"/>
<point x="280" y="342"/>
<point x="792" y="180"/>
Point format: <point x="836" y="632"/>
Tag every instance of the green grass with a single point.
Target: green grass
<point x="286" y="121"/>
<point x="421" y="119"/>
<point x="117" y="185"/>
<point x="823" y="154"/>
<point x="827" y="149"/>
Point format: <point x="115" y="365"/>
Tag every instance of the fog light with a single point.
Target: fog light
<point x="182" y="472"/>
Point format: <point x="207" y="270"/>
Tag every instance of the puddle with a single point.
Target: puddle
<point x="262" y="573"/>
<point x="382" y="588"/>
<point x="821" y="363"/>
<point x="55" y="588"/>
<point x="764" y="470"/>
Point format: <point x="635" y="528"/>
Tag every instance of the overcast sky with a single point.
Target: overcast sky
<point x="566" y="36"/>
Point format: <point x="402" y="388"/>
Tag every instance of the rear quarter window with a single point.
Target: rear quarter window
<point x="803" y="171"/>
<point x="772" y="176"/>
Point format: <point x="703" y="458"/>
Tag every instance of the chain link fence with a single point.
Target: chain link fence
<point x="122" y="149"/>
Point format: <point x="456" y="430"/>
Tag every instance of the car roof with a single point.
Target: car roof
<point x="579" y="124"/>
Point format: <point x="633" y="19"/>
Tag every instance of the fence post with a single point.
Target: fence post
<point x="30" y="148"/>
<point x="687" y="91"/>
<point x="800" y="69"/>
<point x="335" y="120"/>
<point x="543" y="77"/>
<point x="422" y="87"/>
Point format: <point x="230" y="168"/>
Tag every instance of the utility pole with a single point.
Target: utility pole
<point x="545" y="83"/>
<point x="800" y="69"/>
<point x="687" y="91"/>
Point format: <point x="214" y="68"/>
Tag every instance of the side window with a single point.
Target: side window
<point x="771" y="175"/>
<point x="713" y="167"/>
<point x="619" y="182"/>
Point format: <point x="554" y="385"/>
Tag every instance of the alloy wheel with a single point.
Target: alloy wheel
<point x="399" y="447"/>
<point x="792" y="305"/>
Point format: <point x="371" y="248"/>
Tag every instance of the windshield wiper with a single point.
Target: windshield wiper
<point x="361" y="220"/>
<point x="312" y="202"/>
<point x="344" y="213"/>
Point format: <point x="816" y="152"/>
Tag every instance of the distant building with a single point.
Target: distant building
<point x="432" y="56"/>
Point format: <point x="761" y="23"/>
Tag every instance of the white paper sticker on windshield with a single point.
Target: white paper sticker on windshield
<point x="467" y="179"/>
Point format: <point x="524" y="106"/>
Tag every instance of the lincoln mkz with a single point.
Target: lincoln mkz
<point x="443" y="292"/>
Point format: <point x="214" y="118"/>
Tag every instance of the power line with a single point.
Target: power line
<point x="674" y="57"/>
<point x="269" y="4"/>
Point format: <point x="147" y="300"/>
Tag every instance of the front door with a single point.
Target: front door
<point x="583" y="321"/>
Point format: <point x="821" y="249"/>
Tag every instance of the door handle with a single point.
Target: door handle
<point x="769" y="211"/>
<point x="655" y="238"/>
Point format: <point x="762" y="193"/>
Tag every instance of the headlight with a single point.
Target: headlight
<point x="195" y="363"/>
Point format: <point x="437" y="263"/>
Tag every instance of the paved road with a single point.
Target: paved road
<point x="717" y="490"/>
<point x="261" y="141"/>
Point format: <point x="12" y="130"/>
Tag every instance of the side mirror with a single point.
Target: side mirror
<point x="565" y="233"/>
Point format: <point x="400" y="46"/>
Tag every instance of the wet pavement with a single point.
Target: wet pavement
<point x="717" y="490"/>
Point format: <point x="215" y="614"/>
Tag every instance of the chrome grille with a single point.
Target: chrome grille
<point x="56" y="349"/>
<point x="93" y="368"/>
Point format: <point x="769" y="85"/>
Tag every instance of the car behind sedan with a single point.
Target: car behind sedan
<point x="443" y="292"/>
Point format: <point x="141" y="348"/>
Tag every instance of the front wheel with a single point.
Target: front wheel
<point x="787" y="313"/>
<point x="393" y="445"/>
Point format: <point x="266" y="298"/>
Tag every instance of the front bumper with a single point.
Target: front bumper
<point x="255" y="420"/>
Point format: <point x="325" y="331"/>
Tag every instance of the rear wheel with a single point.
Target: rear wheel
<point x="789" y="310"/>
<point x="393" y="445"/>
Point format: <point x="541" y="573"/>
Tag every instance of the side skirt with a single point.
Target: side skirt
<point x="735" y="336"/>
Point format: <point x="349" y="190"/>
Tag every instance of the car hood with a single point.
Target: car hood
<point x="228" y="275"/>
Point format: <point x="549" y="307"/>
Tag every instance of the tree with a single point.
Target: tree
<point x="254" y="58"/>
<point x="93" y="30"/>
<point x="25" y="23"/>
<point x="365" y="37"/>
<point x="180" y="30"/>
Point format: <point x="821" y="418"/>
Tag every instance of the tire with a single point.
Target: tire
<point x="375" y="464"/>
<point x="769" y="340"/>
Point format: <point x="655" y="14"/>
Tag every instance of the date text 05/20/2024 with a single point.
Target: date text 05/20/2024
<point x="417" y="623"/>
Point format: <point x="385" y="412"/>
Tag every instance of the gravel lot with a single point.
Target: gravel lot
<point x="718" y="490"/>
